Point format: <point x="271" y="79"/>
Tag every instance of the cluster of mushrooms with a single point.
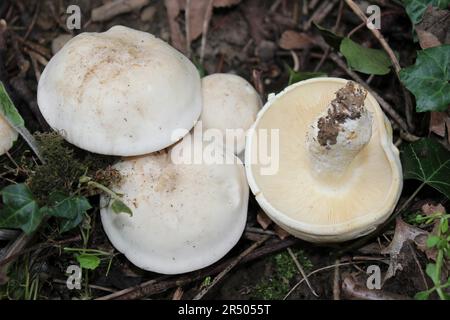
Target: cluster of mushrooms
<point x="127" y="93"/>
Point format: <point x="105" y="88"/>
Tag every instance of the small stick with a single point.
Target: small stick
<point x="336" y="278"/>
<point x="300" y="268"/>
<point x="162" y="284"/>
<point x="187" y="27"/>
<point x="33" y="21"/>
<point x="205" y="29"/>
<point x="116" y="7"/>
<point x="377" y="35"/>
<point x="225" y="271"/>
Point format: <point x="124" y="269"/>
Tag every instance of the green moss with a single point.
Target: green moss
<point x="64" y="165"/>
<point x="285" y="270"/>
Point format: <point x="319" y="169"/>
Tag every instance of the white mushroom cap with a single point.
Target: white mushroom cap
<point x="121" y="92"/>
<point x="7" y="136"/>
<point x="313" y="195"/>
<point x="229" y="102"/>
<point x="185" y="216"/>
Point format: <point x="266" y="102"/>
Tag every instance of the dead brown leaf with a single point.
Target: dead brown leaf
<point x="281" y="233"/>
<point x="434" y="29"/>
<point x="403" y="234"/>
<point x="197" y="14"/>
<point x="225" y="3"/>
<point x="428" y="209"/>
<point x="291" y="40"/>
<point x="263" y="220"/>
<point x="438" y="122"/>
<point x="173" y="9"/>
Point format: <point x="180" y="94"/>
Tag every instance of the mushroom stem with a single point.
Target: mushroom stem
<point x="339" y="134"/>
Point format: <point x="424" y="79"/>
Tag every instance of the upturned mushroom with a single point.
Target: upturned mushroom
<point x="185" y="216"/>
<point x="7" y="136"/>
<point x="122" y="92"/>
<point x="230" y="105"/>
<point x="339" y="175"/>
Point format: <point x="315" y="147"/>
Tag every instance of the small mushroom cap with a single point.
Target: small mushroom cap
<point x="122" y="92"/>
<point x="7" y="136"/>
<point x="323" y="210"/>
<point x="229" y="102"/>
<point x="185" y="216"/>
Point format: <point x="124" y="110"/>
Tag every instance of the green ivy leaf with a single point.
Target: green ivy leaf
<point x="68" y="207"/>
<point x="8" y="110"/>
<point x="119" y="207"/>
<point x="428" y="79"/>
<point x="20" y="210"/>
<point x="365" y="60"/>
<point x="416" y="8"/>
<point x="427" y="161"/>
<point x="432" y="241"/>
<point x="423" y="295"/>
<point x="295" y="76"/>
<point x="444" y="226"/>
<point x="431" y="271"/>
<point x="88" y="261"/>
<point x="329" y="36"/>
<point x="70" y="210"/>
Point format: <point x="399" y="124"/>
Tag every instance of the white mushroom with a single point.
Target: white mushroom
<point x="230" y="104"/>
<point x="7" y="136"/>
<point x="339" y="175"/>
<point x="121" y="92"/>
<point x="185" y="216"/>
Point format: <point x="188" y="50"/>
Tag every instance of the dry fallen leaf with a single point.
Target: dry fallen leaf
<point x="263" y="220"/>
<point x="291" y="39"/>
<point x="429" y="209"/>
<point x="437" y="122"/>
<point x="281" y="233"/>
<point x="173" y="9"/>
<point x="403" y="233"/>
<point x="434" y="29"/>
<point x="225" y="3"/>
<point x="197" y="14"/>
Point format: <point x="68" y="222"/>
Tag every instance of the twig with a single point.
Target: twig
<point x="156" y="286"/>
<point x="187" y="27"/>
<point x="377" y="35"/>
<point x="225" y="271"/>
<point x="33" y="21"/>
<point x="205" y="29"/>
<point x="300" y="268"/>
<point x="92" y="286"/>
<point x="320" y="13"/>
<point x="407" y="98"/>
<point x="356" y="291"/>
<point x="336" y="278"/>
<point x="116" y="7"/>
<point x="296" y="61"/>
<point x="422" y="275"/>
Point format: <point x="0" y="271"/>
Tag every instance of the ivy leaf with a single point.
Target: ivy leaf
<point x="444" y="226"/>
<point x="295" y="76"/>
<point x="15" y="120"/>
<point x="329" y="36"/>
<point x="428" y="79"/>
<point x="431" y="271"/>
<point x="365" y="60"/>
<point x="432" y="241"/>
<point x="118" y="206"/>
<point x="427" y="161"/>
<point x="416" y="8"/>
<point x="422" y="295"/>
<point x="70" y="209"/>
<point x="88" y="261"/>
<point x="20" y="210"/>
